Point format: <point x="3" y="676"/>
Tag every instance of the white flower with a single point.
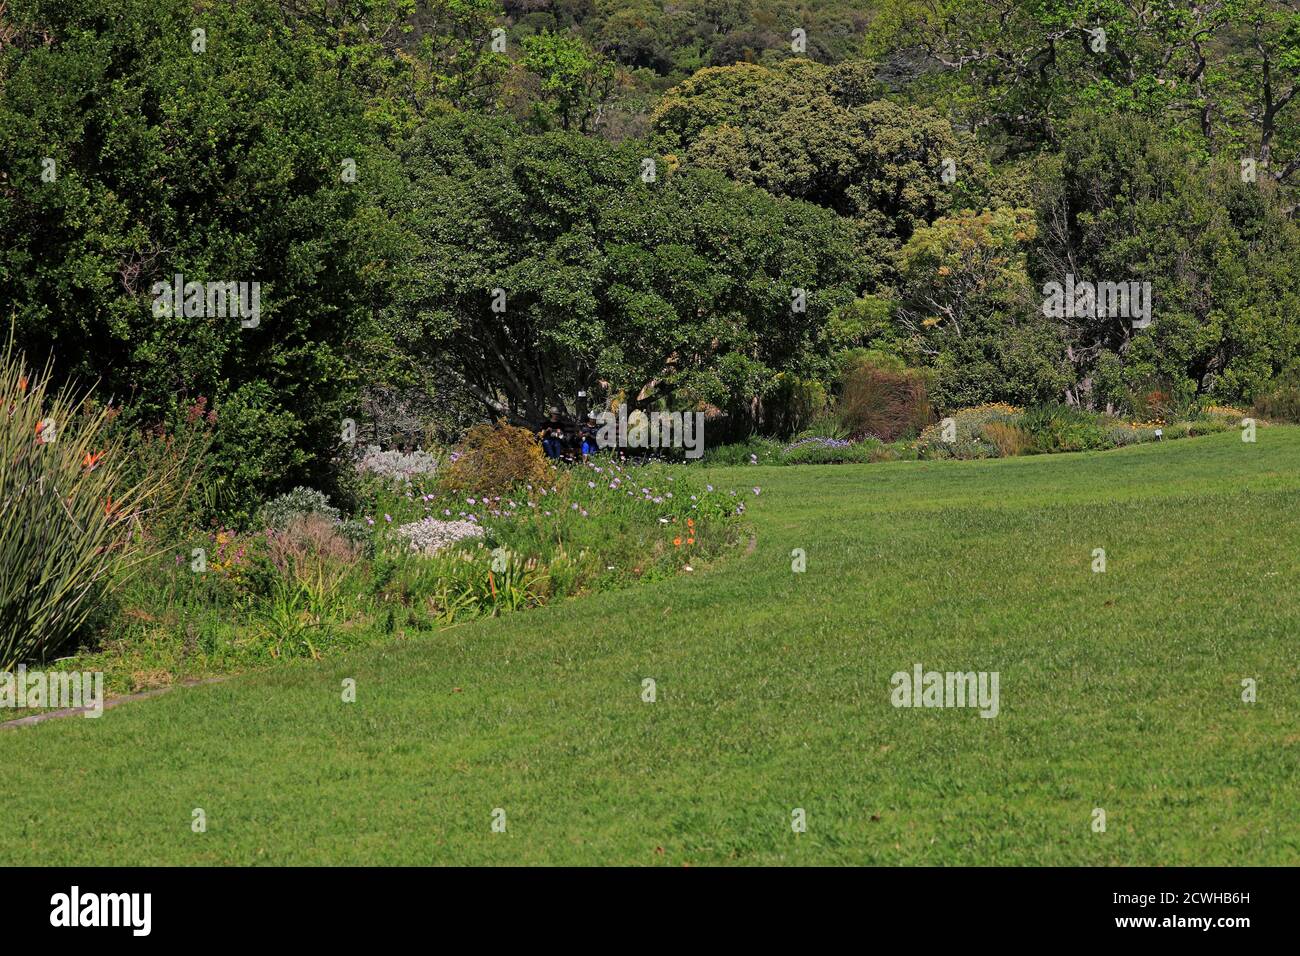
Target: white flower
<point x="428" y="536"/>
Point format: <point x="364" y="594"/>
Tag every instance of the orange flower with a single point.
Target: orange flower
<point x="690" y="522"/>
<point x="89" y="461"/>
<point x="22" y="383"/>
<point x="677" y="542"/>
<point x="39" y="426"/>
<point x="109" y="506"/>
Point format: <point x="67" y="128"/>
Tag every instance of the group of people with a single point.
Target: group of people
<point x="568" y="440"/>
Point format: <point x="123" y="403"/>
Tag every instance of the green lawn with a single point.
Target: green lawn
<point x="1119" y="690"/>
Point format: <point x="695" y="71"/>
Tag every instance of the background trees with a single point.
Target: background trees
<point x="381" y="167"/>
<point x="550" y="266"/>
<point x="219" y="159"/>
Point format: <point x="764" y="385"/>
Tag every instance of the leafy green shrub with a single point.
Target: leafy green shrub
<point x="278" y="513"/>
<point x="825" y="426"/>
<point x="792" y="403"/>
<point x="495" y="458"/>
<point x="1056" y="428"/>
<point x="71" y="518"/>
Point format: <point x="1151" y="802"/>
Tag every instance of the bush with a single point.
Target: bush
<point x="830" y="451"/>
<point x="756" y="451"/>
<point x="278" y="513"/>
<point x="430" y="535"/>
<point x="884" y="403"/>
<point x="71" y="514"/>
<point x="792" y="403"/>
<point x="825" y="426"/>
<point x="494" y="458"/>
<point x="1057" y="428"/>
<point x="1281" y="403"/>
<point x="1010" y="440"/>
<point x="395" y="465"/>
<point x="968" y="426"/>
<point x="182" y="498"/>
<point x="1122" y="435"/>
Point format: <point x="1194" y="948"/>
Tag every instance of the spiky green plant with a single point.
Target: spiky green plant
<point x="69" y="521"/>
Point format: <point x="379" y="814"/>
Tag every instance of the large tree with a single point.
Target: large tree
<point x="549" y="264"/>
<point x="142" y="139"/>
<point x="819" y="133"/>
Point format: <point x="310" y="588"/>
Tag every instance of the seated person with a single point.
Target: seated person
<point x="588" y="436"/>
<point x="552" y="436"/>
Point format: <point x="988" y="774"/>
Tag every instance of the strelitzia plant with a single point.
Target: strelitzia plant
<point x="69" y="519"/>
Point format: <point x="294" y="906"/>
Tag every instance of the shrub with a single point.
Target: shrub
<point x="825" y="426"/>
<point x="493" y="458"/>
<point x="756" y="451"/>
<point x="278" y="513"/>
<point x="1159" y="401"/>
<point x="1057" y="428"/>
<point x="968" y="426"/>
<point x="884" y="403"/>
<point x="182" y="498"/>
<point x="396" y="465"/>
<point x="429" y="535"/>
<point x="308" y="540"/>
<point x="826" y="451"/>
<point x="792" y="403"/>
<point x="1123" y="435"/>
<point x="1281" y="403"/>
<point x="71" y="514"/>
<point x="312" y="559"/>
<point x="1190" y="429"/>
<point x="1010" y="440"/>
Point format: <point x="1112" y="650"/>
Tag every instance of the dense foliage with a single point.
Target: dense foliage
<point x="462" y="209"/>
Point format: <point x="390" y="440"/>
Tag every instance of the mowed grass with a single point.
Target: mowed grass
<point x="1119" y="691"/>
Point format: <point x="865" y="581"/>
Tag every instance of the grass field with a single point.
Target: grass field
<point x="1118" y="690"/>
